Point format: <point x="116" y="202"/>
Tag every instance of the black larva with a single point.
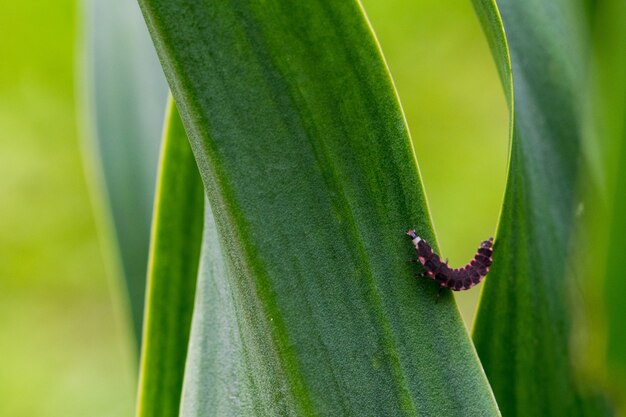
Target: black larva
<point x="457" y="279"/>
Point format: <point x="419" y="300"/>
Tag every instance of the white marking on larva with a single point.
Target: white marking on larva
<point x="416" y="240"/>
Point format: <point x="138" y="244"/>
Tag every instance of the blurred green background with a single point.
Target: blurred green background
<point x="65" y="339"/>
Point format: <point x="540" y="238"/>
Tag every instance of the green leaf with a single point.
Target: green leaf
<point x="310" y="175"/>
<point x="614" y="288"/>
<point x="602" y="335"/>
<point x="524" y="322"/>
<point x="173" y="268"/>
<point x="127" y="93"/>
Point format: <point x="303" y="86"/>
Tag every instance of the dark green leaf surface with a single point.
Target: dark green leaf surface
<point x="309" y="171"/>
<point x="173" y="268"/>
<point x="128" y="94"/>
<point x="523" y="326"/>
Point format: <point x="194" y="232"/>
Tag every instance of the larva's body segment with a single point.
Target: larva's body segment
<point x="457" y="279"/>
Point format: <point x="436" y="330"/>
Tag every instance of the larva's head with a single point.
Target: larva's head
<point x="414" y="237"/>
<point x="487" y="243"/>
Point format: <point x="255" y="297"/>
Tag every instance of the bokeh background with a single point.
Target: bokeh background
<point x="66" y="345"/>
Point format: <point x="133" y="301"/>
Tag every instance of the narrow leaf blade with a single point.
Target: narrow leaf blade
<point x="173" y="268"/>
<point x="601" y="340"/>
<point x="612" y="18"/>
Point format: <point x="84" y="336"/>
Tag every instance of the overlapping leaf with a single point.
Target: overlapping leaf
<point x="128" y="94"/>
<point x="173" y="268"/>
<point x="312" y="181"/>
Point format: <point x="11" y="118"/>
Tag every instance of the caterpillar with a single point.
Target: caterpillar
<point x="457" y="279"/>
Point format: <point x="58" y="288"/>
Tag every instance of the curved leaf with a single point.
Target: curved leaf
<point x="128" y="93"/>
<point x="311" y="177"/>
<point x="172" y="272"/>
<point x="524" y="320"/>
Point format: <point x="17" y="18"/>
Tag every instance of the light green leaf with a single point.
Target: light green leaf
<point x="127" y="94"/>
<point x="524" y="323"/>
<point x="173" y="268"/>
<point x="613" y="43"/>
<point x="602" y="335"/>
<point x="310" y="175"/>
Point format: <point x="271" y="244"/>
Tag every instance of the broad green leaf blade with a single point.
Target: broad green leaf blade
<point x="127" y="94"/>
<point x="523" y="325"/>
<point x="173" y="268"/>
<point x="310" y="174"/>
